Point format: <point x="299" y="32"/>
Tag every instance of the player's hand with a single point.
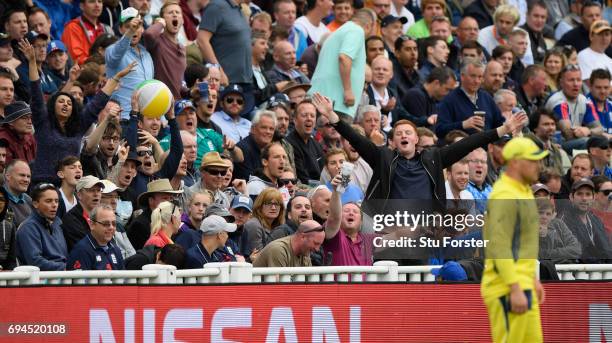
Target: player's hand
<point x="540" y="292"/>
<point x="74" y="72"/>
<point x="240" y="185"/>
<point x="28" y="50"/>
<point x="134" y="101"/>
<point x="432" y="119"/>
<point x="518" y="300"/>
<point x="325" y="106"/>
<point x="515" y="123"/>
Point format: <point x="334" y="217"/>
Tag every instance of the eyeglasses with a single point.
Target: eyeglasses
<point x="606" y="192"/>
<point x="216" y="172"/>
<point x="314" y="229"/>
<point x="271" y="204"/>
<point x="111" y="138"/>
<point x="478" y="161"/>
<point x="143" y="153"/>
<point x="287" y="181"/>
<point x="382" y="5"/>
<point x="570" y="67"/>
<point x="107" y="225"/>
<point x="231" y="100"/>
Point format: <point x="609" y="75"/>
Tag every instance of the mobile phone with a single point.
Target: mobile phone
<point x="204" y="91"/>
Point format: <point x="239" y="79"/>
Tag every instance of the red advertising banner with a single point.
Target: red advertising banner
<point x="573" y="312"/>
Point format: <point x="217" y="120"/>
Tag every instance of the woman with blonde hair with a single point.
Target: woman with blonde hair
<point x="268" y="213"/>
<point x="165" y="222"/>
<point x="554" y="61"/>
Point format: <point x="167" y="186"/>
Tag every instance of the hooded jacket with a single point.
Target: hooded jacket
<point x="258" y="182"/>
<point x="41" y="244"/>
<point x="559" y="244"/>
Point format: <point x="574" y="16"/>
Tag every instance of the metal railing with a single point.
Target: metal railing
<point x="240" y="272"/>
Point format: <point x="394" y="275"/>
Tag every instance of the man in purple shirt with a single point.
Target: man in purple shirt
<point x="348" y="245"/>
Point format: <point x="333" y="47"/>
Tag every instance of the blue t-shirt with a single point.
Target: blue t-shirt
<point x="410" y="180"/>
<point x="605" y="116"/>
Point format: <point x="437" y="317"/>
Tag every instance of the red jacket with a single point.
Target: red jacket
<point x="23" y="148"/>
<point x="79" y="35"/>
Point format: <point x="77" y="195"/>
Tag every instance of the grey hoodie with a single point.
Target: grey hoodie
<point x="559" y="244"/>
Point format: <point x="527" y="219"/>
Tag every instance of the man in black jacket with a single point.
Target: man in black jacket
<point x="75" y="223"/>
<point x="403" y="173"/>
<point x="482" y="11"/>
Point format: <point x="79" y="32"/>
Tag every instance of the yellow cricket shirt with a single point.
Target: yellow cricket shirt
<point x="511" y="228"/>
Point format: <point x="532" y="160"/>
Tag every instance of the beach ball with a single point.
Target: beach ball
<point x="154" y="98"/>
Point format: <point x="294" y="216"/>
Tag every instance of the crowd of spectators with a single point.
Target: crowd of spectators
<point x="287" y="118"/>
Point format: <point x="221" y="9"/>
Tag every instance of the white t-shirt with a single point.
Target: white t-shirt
<point x="463" y="195"/>
<point x="313" y="32"/>
<point x="403" y="13"/>
<point x="68" y="204"/>
<point x="589" y="60"/>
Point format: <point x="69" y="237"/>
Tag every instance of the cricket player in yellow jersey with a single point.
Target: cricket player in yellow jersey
<point x="511" y="291"/>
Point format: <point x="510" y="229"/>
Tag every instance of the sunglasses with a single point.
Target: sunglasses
<point x="287" y="181"/>
<point x="143" y="153"/>
<point x="606" y="192"/>
<point x="231" y="100"/>
<point x="106" y="225"/>
<point x="216" y="172"/>
<point x="44" y="187"/>
<point x="314" y="229"/>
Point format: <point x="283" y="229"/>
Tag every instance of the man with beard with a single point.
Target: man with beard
<point x="329" y="137"/>
<point x="600" y="152"/>
<point x="262" y="131"/>
<point x="75" y="223"/>
<point x="494" y="77"/>
<point x="543" y="125"/>
<point x="587" y="227"/>
<point x="97" y="156"/>
<point x="531" y="93"/>
<point x="457" y="181"/>
<point x="405" y="74"/>
<point x="228" y="119"/>
<point x="274" y="160"/>
<point x="125" y="51"/>
<point x="69" y="171"/>
<point x="168" y="54"/>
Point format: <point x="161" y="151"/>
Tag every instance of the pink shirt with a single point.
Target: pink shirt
<point x="345" y="252"/>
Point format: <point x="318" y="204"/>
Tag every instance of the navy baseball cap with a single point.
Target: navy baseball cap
<point x="450" y="271"/>
<point x="233" y="88"/>
<point x="33" y="35"/>
<point x="181" y="105"/>
<point x="390" y="19"/>
<point x="242" y="201"/>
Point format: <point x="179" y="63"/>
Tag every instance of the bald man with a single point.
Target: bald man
<point x="493" y="77"/>
<point x="284" y="65"/>
<point x="383" y="96"/>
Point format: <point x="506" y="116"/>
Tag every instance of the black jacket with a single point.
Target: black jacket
<point x="308" y="157"/>
<point x="419" y="105"/>
<point x="478" y="11"/>
<point x="144" y="256"/>
<point x="383" y="160"/>
<point x="8" y="257"/>
<point x="398" y="112"/>
<point x="401" y="81"/>
<point x="251" y="151"/>
<point x="74" y="226"/>
<point x="139" y="230"/>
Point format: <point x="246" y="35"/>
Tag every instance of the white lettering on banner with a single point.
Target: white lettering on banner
<point x="229" y="318"/>
<point x="100" y="329"/>
<point x="183" y="318"/>
<point x="128" y="330"/>
<point x="281" y="318"/>
<point x="323" y="325"/>
<point x="148" y="329"/>
<point x="600" y="320"/>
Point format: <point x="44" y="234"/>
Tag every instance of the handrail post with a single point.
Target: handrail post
<point x="34" y="278"/>
<point x="166" y="274"/>
<point x="392" y="274"/>
<point x="224" y="271"/>
<point x="240" y="272"/>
